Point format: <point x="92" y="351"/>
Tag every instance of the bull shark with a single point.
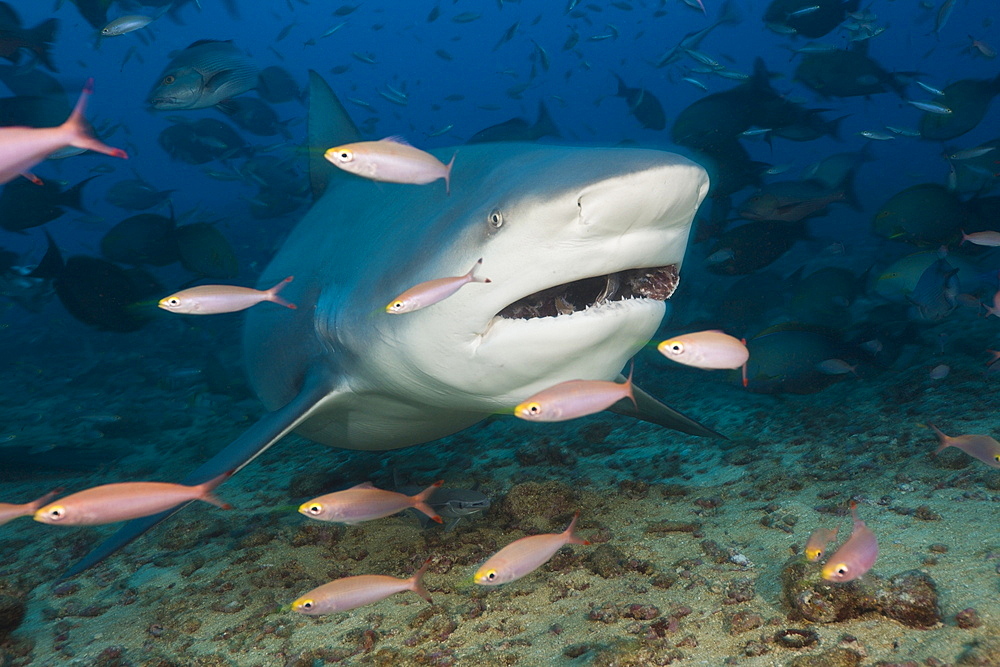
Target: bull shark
<point x="582" y="246"/>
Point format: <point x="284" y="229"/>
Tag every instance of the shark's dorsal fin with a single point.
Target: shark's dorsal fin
<point x="653" y="411"/>
<point x="329" y="126"/>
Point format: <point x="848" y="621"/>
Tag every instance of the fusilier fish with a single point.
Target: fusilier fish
<point x="525" y="555"/>
<point x="709" y="350"/>
<point x="21" y="148"/>
<point x="364" y="502"/>
<point x="110" y="503"/>
<point x="987" y="238"/>
<point x="981" y="447"/>
<point x="855" y="556"/>
<point x="818" y="541"/>
<point x="353" y="592"/>
<point x="573" y="399"/>
<point x="391" y="160"/>
<point x="11" y="511"/>
<point x="126" y="24"/>
<point x="431" y="291"/>
<point x="203" y="75"/>
<point x="215" y="299"/>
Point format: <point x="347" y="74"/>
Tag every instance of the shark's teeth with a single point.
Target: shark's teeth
<point x="654" y="283"/>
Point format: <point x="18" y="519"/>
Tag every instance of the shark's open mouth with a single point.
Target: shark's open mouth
<point x="651" y="283"/>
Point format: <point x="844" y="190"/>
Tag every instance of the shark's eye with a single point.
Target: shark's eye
<point x="168" y="79"/>
<point x="496" y="218"/>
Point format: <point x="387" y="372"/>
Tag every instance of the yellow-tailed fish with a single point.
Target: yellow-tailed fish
<point x="110" y="503"/>
<point x="981" y="447"/>
<point x="215" y="299"/>
<point x="430" y="292"/>
<point x="391" y="160"/>
<point x="353" y="592"/>
<point x="9" y="511"/>
<point x="364" y="502"/>
<point x="525" y="555"/>
<point x="574" y="398"/>
<point x="818" y="541"/>
<point x="855" y="556"/>
<point x="21" y="148"/>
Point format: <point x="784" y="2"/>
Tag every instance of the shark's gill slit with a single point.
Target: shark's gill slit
<point x="651" y="283"/>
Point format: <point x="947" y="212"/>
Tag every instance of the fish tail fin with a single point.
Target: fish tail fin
<point x="79" y="129"/>
<point x="41" y="38"/>
<point x="571" y="536"/>
<point x="622" y="88"/>
<point x="629" y="387"/>
<point x="417" y="581"/>
<point x="965" y="237"/>
<point x="71" y="197"/>
<point x="447" y="174"/>
<point x="206" y="489"/>
<point x="943" y="440"/>
<point x="38" y="503"/>
<point x="472" y="273"/>
<point x="730" y="14"/>
<point x="420" y="501"/>
<point x="272" y="294"/>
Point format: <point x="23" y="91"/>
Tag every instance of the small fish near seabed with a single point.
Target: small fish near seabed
<point x="709" y="350"/>
<point x="855" y="556"/>
<point x="524" y="556"/>
<point x="353" y="592"/>
<point x="216" y="299"/>
<point x="981" y="447"/>
<point x="818" y="541"/>
<point x="21" y="148"/>
<point x="11" y="511"/>
<point x="391" y="160"/>
<point x="364" y="502"/>
<point x="110" y="503"/>
<point x="432" y="291"/>
<point x="573" y="399"/>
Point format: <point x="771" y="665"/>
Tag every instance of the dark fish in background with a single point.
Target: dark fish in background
<point x="271" y="171"/>
<point x="24" y="204"/>
<point x="518" y="129"/>
<point x="937" y="289"/>
<point x="784" y="359"/>
<point x="205" y="74"/>
<point x="95" y="12"/>
<point x="452" y="505"/>
<point x="146" y="238"/>
<point x="925" y="213"/>
<point x="255" y="116"/>
<point x="276" y="85"/>
<point x="202" y="141"/>
<point x="273" y="203"/>
<point x="204" y="251"/>
<point x="731" y="169"/>
<point x="753" y="246"/>
<point x="30" y="287"/>
<point x="728" y="14"/>
<point x="824" y="296"/>
<point x="750" y="300"/>
<point x="796" y="14"/>
<point x="14" y="38"/>
<point x="791" y="201"/>
<point x="847" y="74"/>
<point x="969" y="100"/>
<point x="105" y="296"/>
<point x="135" y="195"/>
<point x="643" y="105"/>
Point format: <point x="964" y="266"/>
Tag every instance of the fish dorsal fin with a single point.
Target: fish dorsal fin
<point x="202" y="42"/>
<point x="363" y="485"/>
<point x="396" y="139"/>
<point x="329" y="126"/>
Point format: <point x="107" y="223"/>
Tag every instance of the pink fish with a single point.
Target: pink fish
<point x="525" y="555"/>
<point x="995" y="308"/>
<point x="21" y="148"/>
<point x="939" y="372"/>
<point x="988" y="238"/>
<point x="855" y="556"/>
<point x="364" y="502"/>
<point x="127" y="500"/>
<point x="353" y="592"/>
<point x="982" y="48"/>
<point x="981" y="447"/>
<point x="391" y="160"/>
<point x="9" y="512"/>
<point x="215" y="299"/>
<point x="574" y="398"/>
<point x="818" y="541"/>
<point x="709" y="350"/>
<point x="431" y="291"/>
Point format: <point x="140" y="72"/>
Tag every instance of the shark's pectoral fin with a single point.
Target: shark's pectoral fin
<point x="252" y="443"/>
<point x="651" y="410"/>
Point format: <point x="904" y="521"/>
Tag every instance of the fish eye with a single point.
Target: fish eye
<point x="174" y="302"/>
<point x="495" y="218"/>
<point x="168" y="79"/>
<point x="306" y="604"/>
<point x="345" y="156"/>
<point x="56" y="513"/>
<point x="676" y="348"/>
<point x="491" y="575"/>
<point x="315" y="509"/>
<point x="396" y="305"/>
<point x="533" y="408"/>
<point x="842" y="570"/>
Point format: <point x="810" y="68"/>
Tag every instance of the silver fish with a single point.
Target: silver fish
<point x="126" y="24"/>
<point x="203" y="75"/>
